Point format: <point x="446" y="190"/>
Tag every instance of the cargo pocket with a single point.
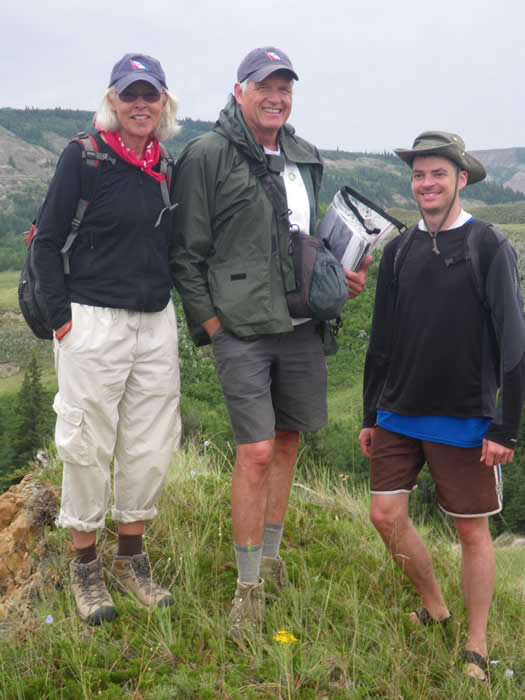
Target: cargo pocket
<point x="70" y="433"/>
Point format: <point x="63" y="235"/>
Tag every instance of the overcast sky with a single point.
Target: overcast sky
<point x="373" y="73"/>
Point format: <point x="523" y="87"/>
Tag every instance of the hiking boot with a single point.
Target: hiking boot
<point x="133" y="575"/>
<point x="247" y="611"/>
<point x="274" y="572"/>
<point x="94" y="604"/>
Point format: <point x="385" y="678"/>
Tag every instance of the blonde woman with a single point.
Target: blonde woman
<point x="116" y="351"/>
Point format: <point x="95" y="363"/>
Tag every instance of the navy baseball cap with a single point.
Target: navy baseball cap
<point x="260" y="63"/>
<point x="137" y="66"/>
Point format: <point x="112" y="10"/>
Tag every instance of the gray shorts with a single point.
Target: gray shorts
<point x="275" y="381"/>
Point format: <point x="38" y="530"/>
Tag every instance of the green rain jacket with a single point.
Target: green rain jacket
<point x="230" y="255"/>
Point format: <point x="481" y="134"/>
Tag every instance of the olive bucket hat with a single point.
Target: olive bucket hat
<point x="451" y="146"/>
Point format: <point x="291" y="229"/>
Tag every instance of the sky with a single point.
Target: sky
<point x="373" y="74"/>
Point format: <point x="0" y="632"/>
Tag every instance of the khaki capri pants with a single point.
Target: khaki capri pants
<point x="118" y="396"/>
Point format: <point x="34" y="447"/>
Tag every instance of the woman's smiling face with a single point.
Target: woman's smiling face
<point x="138" y="108"/>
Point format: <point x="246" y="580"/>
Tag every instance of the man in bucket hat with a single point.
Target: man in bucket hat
<point x="232" y="268"/>
<point x="439" y="350"/>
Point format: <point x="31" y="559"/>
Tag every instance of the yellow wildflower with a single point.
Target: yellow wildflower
<point x="284" y="637"/>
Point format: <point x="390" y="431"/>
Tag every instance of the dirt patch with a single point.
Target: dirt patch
<point x="10" y="316"/>
<point x="7" y="369"/>
<point x="26" y="564"/>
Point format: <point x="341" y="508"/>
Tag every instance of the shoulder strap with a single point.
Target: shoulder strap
<point x="280" y="205"/>
<point x="261" y="170"/>
<point x="406" y="239"/>
<point x="91" y="159"/>
<point x="166" y="168"/>
<point x="479" y="252"/>
<point x="166" y="165"/>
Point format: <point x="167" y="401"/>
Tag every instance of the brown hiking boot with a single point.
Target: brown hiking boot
<point x="94" y="604"/>
<point x="247" y="611"/>
<point x="133" y="575"/>
<point x="274" y="572"/>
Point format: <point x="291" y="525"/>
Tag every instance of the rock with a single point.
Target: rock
<point x="8" y="509"/>
<point x="25" y="509"/>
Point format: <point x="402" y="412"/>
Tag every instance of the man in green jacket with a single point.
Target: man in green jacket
<point x="232" y="269"/>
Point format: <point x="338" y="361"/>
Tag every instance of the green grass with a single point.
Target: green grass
<point x="511" y="565"/>
<point x="348" y="608"/>
<point x="346" y="400"/>
<point x="9" y="291"/>
<point x="13" y="383"/>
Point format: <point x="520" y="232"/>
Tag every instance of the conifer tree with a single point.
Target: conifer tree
<point x="5" y="452"/>
<point x="29" y="423"/>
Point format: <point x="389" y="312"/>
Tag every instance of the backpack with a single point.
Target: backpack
<point x="321" y="290"/>
<point x="31" y="302"/>
<point x="478" y="252"/>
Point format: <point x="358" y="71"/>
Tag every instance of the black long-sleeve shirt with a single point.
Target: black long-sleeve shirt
<point x="119" y="259"/>
<point x="435" y="350"/>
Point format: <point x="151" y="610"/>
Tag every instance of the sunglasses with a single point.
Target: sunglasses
<point x="130" y="96"/>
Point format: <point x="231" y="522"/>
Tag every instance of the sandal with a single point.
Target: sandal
<point x="426" y="619"/>
<point x="472" y="657"/>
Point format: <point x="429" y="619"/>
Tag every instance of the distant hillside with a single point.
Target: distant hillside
<point x="32" y="139"/>
<point x="505" y="166"/>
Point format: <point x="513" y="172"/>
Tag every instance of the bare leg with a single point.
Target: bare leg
<point x="249" y="491"/>
<point x="82" y="539"/>
<point x="478" y="569"/>
<point x="389" y="514"/>
<point x="136" y="528"/>
<point x="280" y="475"/>
<point x="261" y="482"/>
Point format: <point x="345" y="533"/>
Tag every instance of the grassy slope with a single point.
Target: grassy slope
<point x="8" y="291"/>
<point x="348" y="609"/>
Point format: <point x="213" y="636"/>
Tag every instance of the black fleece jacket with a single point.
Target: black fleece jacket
<point x="435" y="350"/>
<point x="119" y="259"/>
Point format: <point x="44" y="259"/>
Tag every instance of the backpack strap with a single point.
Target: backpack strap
<point x="479" y="251"/>
<point x="405" y="242"/>
<point x="166" y="166"/>
<point x="482" y="241"/>
<point x="91" y="159"/>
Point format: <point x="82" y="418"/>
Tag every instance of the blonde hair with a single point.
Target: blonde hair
<point x="107" y="120"/>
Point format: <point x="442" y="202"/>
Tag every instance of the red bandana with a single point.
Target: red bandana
<point x="149" y="158"/>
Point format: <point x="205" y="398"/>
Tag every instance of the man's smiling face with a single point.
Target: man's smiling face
<point x="434" y="183"/>
<point x="266" y="106"/>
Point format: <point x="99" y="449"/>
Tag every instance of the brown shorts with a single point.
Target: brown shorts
<point x="465" y="487"/>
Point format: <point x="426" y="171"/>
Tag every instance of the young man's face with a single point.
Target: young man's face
<point x="434" y="184"/>
<point x="266" y="106"/>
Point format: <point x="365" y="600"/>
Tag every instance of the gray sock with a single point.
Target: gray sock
<point x="272" y="539"/>
<point x="248" y="562"/>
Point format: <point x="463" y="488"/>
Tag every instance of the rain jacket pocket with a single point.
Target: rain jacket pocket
<point x="70" y="433"/>
<point x="241" y="293"/>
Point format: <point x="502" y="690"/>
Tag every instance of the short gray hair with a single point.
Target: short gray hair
<point x="107" y="120"/>
<point x="244" y="85"/>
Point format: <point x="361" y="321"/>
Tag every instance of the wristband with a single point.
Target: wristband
<point x="66" y="330"/>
